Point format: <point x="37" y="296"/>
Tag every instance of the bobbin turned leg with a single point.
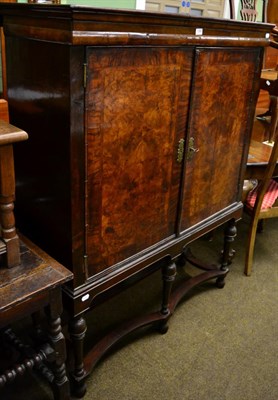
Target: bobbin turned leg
<point x="60" y="383"/>
<point x="77" y="331"/>
<point x="228" y="253"/>
<point x="30" y="359"/>
<point x="168" y="275"/>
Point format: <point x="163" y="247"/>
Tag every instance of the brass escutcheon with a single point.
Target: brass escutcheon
<point x="191" y="149"/>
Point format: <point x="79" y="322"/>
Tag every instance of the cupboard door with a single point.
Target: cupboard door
<point x="136" y="113"/>
<point x="221" y="107"/>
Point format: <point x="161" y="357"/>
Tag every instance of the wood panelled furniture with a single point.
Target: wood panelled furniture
<point x="30" y="280"/>
<point x="139" y="127"/>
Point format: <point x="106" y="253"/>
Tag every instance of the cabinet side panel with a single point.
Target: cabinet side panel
<point x="137" y="104"/>
<point x="38" y="97"/>
<point x="222" y="104"/>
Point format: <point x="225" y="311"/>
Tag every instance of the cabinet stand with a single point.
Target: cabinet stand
<point x="84" y="364"/>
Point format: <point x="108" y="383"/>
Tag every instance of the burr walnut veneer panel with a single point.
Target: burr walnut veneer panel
<point x="133" y="133"/>
<point x="219" y="121"/>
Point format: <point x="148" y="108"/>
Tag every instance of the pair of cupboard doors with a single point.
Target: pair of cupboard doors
<point x="167" y="134"/>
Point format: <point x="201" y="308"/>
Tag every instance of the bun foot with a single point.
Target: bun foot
<point x="220" y="282"/>
<point x="79" y="389"/>
<point x="163" y="328"/>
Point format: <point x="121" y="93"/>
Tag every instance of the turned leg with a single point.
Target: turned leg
<point x="228" y="252"/>
<point x="168" y="275"/>
<point x="77" y="331"/>
<point x="250" y="247"/>
<point x="60" y="384"/>
<point x="274" y="117"/>
<point x="7" y="193"/>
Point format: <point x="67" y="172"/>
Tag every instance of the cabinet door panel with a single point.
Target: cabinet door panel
<point x="221" y="104"/>
<point x="136" y="110"/>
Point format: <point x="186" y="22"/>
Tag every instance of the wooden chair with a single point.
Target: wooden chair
<point x="258" y="196"/>
<point x="248" y="10"/>
<point x="268" y="83"/>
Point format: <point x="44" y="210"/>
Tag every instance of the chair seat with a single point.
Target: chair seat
<point x="269" y="198"/>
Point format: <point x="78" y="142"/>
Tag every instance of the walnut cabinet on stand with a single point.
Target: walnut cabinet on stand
<point x="139" y="126"/>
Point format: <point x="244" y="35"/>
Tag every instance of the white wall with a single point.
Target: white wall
<point x="140" y="4"/>
<point x="227" y="8"/>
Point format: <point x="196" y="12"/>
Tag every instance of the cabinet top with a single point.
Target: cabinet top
<point x="79" y="25"/>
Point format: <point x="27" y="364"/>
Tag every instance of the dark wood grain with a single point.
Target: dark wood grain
<point x="133" y="135"/>
<point x="218" y="122"/>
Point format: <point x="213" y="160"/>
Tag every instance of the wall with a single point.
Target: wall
<point x="99" y="3"/>
<point x="140" y="4"/>
<point x="104" y="3"/>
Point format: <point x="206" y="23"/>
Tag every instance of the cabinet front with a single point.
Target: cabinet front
<point x="136" y="114"/>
